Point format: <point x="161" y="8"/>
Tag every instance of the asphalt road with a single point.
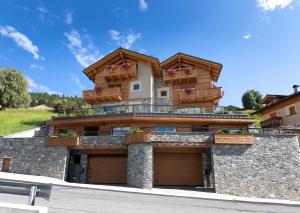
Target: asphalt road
<point x="78" y="200"/>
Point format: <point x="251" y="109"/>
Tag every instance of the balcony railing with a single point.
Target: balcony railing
<point x="180" y="75"/>
<point x="117" y="72"/>
<point x="272" y="122"/>
<point x="192" y="96"/>
<point x="104" y="95"/>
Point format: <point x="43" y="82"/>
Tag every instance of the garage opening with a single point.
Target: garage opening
<point x="179" y="168"/>
<point x="107" y="169"/>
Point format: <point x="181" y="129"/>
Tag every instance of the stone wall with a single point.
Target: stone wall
<point x="183" y="137"/>
<point x="31" y="156"/>
<point x="140" y="165"/>
<point x="159" y="83"/>
<point x="270" y="168"/>
<point x="102" y="139"/>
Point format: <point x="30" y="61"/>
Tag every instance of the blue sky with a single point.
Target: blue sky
<point x="257" y="41"/>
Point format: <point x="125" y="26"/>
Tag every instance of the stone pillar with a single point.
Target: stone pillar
<point x="140" y="165"/>
<point x="84" y="168"/>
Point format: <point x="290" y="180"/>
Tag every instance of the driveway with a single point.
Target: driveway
<point x="65" y="199"/>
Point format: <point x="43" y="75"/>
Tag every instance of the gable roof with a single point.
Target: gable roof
<point x="119" y="53"/>
<point x="290" y="98"/>
<point x="214" y="66"/>
<point x="269" y="97"/>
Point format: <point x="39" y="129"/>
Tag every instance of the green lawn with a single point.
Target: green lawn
<point x="17" y="120"/>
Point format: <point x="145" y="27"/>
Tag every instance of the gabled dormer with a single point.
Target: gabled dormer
<point x="192" y="80"/>
<point x="123" y="75"/>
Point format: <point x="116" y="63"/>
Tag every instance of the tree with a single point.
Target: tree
<point x="251" y="99"/>
<point x="13" y="89"/>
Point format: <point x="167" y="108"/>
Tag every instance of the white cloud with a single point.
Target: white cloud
<point x="84" y="54"/>
<point x="20" y="39"/>
<point x="45" y="16"/>
<point x="125" y="41"/>
<point x="143" y="6"/>
<point x="269" y="5"/>
<point x="77" y="81"/>
<point x="34" y="87"/>
<point x="247" y="36"/>
<point x="36" y="67"/>
<point x="42" y="9"/>
<point x="68" y="16"/>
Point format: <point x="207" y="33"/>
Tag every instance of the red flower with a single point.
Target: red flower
<point x="188" y="90"/>
<point x="125" y="65"/>
<point x="110" y="67"/>
<point x="98" y="89"/>
<point x="188" y="70"/>
<point x="171" y="71"/>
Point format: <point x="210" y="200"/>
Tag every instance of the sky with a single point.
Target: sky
<point x="51" y="42"/>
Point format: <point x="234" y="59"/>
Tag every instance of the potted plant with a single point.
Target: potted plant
<point x="125" y="65"/>
<point x="189" y="90"/>
<point x="110" y="67"/>
<point x="188" y="70"/>
<point x="98" y="90"/>
<point x="171" y="71"/>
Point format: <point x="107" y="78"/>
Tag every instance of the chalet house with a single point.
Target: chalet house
<point x="135" y="93"/>
<point x="281" y="110"/>
<point x="158" y="124"/>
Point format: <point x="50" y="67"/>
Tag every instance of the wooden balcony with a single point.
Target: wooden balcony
<point x="180" y="76"/>
<point x="272" y="122"/>
<point x="105" y="95"/>
<point x="119" y="72"/>
<point x="200" y="95"/>
<point x="138" y="137"/>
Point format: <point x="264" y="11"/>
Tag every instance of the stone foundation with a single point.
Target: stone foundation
<point x="140" y="165"/>
<point x="31" y="156"/>
<point x="270" y="168"/>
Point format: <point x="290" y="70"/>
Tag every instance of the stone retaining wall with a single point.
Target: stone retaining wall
<point x="270" y="168"/>
<point x="31" y="156"/>
<point x="102" y="139"/>
<point x="183" y="137"/>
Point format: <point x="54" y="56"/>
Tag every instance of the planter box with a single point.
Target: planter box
<point x="61" y="141"/>
<point x="233" y="139"/>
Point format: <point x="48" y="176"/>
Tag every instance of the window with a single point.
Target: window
<point x="292" y="110"/>
<point x="165" y="129"/>
<point x="120" y="131"/>
<point x="136" y="86"/>
<point x="163" y="92"/>
<point x="273" y="115"/>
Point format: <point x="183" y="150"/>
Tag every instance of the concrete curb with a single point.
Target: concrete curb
<point x="10" y="207"/>
<point x="154" y="191"/>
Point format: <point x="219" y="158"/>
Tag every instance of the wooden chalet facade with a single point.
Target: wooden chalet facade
<point x="170" y="106"/>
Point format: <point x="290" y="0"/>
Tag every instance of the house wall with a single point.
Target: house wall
<point x="145" y="77"/>
<point x="268" y="169"/>
<point x="31" y="156"/>
<point x="287" y="119"/>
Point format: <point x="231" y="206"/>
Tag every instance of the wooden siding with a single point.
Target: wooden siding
<point x="61" y="141"/>
<point x="140" y="137"/>
<point x="233" y="139"/>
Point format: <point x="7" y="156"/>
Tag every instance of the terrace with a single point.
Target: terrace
<point x="150" y="110"/>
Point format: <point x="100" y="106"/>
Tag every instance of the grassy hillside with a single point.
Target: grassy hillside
<point x="17" y="120"/>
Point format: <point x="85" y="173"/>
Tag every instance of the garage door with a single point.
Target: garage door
<point x="181" y="169"/>
<point x="110" y="169"/>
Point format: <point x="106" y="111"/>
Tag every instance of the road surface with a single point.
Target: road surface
<point x="78" y="200"/>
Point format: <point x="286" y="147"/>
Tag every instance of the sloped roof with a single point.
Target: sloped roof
<point x="121" y="52"/>
<point x="214" y="66"/>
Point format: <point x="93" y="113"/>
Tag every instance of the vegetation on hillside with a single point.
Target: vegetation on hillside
<point x="251" y="99"/>
<point x="17" y="120"/>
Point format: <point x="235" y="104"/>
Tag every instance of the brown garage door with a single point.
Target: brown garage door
<point x="181" y="169"/>
<point x="110" y="169"/>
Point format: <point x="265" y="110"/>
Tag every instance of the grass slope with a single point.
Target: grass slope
<point x="17" y="120"/>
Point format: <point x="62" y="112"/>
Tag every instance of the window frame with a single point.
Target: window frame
<point x="120" y="131"/>
<point x="159" y="90"/>
<point x="292" y="112"/>
<point x="134" y="83"/>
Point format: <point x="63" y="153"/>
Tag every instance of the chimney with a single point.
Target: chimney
<point x="296" y="88"/>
